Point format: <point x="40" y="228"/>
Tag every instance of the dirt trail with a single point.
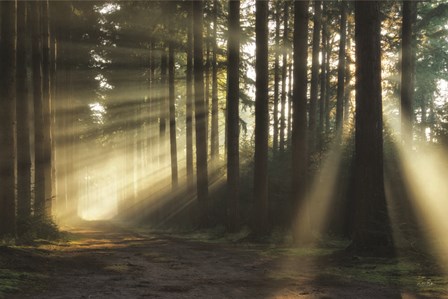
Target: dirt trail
<point x="108" y="261"/>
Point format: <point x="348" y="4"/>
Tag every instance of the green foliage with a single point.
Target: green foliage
<point x="13" y="281"/>
<point x="37" y="228"/>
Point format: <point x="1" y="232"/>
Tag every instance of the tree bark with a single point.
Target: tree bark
<point x="372" y="233"/>
<point x="261" y="118"/>
<point x="233" y="128"/>
<point x="276" y="77"/>
<point x="8" y="118"/>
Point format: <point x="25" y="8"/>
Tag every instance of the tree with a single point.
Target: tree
<point x="215" y="115"/>
<point x="407" y="71"/>
<point x="284" y="71"/>
<point x="39" y="122"/>
<point x="200" y="111"/>
<point x="23" y="122"/>
<point x="371" y="229"/>
<point x="341" y="69"/>
<point x="232" y="116"/>
<point x="7" y="117"/>
<point x="314" y="74"/>
<point x="172" y="108"/>
<point x="299" y="121"/>
<point x="276" y="75"/>
<point x="189" y="100"/>
<point x="261" y="117"/>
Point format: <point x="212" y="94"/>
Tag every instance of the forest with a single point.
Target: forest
<point x="223" y="149"/>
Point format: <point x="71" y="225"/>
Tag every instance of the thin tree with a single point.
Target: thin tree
<point x="172" y="108"/>
<point x="371" y="230"/>
<point x="407" y="71"/>
<point x="189" y="100"/>
<point x="323" y="76"/>
<point x="200" y="111"/>
<point x="261" y="117"/>
<point x="299" y="121"/>
<point x="23" y="122"/>
<point x="341" y="68"/>
<point x="215" y="115"/>
<point x="314" y="88"/>
<point x="233" y="129"/>
<point x="284" y="72"/>
<point x="8" y="118"/>
<point x="276" y="76"/>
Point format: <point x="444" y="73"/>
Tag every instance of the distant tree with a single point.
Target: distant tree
<point x="23" y="122"/>
<point x="8" y="117"/>
<point x="407" y="70"/>
<point x="372" y="233"/>
<point x="215" y="112"/>
<point x="299" y="122"/>
<point x="200" y="111"/>
<point x="261" y="117"/>
<point x="284" y="74"/>
<point x="341" y="68"/>
<point x="189" y="91"/>
<point x="276" y="76"/>
<point x="232" y="115"/>
<point x="172" y="108"/>
<point x="315" y="74"/>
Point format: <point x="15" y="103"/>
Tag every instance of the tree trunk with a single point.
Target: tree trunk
<point x="215" y="113"/>
<point x="200" y="113"/>
<point x="46" y="106"/>
<point x="189" y="91"/>
<point x="341" y="69"/>
<point x="372" y="233"/>
<point x="163" y="99"/>
<point x="173" y="142"/>
<point x="348" y="74"/>
<point x="8" y="118"/>
<point x="327" y="82"/>
<point x="276" y="77"/>
<point x="261" y="118"/>
<point x="284" y="69"/>
<point x="407" y="71"/>
<point x="323" y="77"/>
<point x="289" y="105"/>
<point x="299" y="122"/>
<point x="314" y="75"/>
<point x="23" y="122"/>
<point x="39" y="174"/>
<point x="233" y="129"/>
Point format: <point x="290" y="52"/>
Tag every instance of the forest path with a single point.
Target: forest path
<point x="105" y="260"/>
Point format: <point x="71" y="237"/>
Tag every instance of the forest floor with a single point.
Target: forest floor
<point x="106" y="260"/>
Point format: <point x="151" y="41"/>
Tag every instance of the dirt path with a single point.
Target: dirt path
<point x="108" y="261"/>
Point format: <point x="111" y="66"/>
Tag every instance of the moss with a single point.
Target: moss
<point x="119" y="268"/>
<point x="13" y="281"/>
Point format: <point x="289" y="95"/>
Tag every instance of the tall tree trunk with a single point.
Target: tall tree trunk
<point x="407" y="71"/>
<point x="289" y="104"/>
<point x="215" y="112"/>
<point x="200" y="112"/>
<point x="173" y="142"/>
<point x="233" y="128"/>
<point x="190" y="102"/>
<point x="39" y="174"/>
<point x="372" y="230"/>
<point x="8" y="118"/>
<point x="348" y="74"/>
<point x="327" y="82"/>
<point x="341" y="69"/>
<point x="284" y="69"/>
<point x="314" y="75"/>
<point x="299" y="124"/>
<point x="46" y="106"/>
<point x="261" y="117"/>
<point x="323" y="77"/>
<point x="207" y="85"/>
<point x="163" y="99"/>
<point x="276" y="77"/>
<point x="23" y="122"/>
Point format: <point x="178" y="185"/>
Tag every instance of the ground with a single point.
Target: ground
<point x="107" y="260"/>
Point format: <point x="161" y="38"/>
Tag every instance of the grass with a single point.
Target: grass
<point x="13" y="281"/>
